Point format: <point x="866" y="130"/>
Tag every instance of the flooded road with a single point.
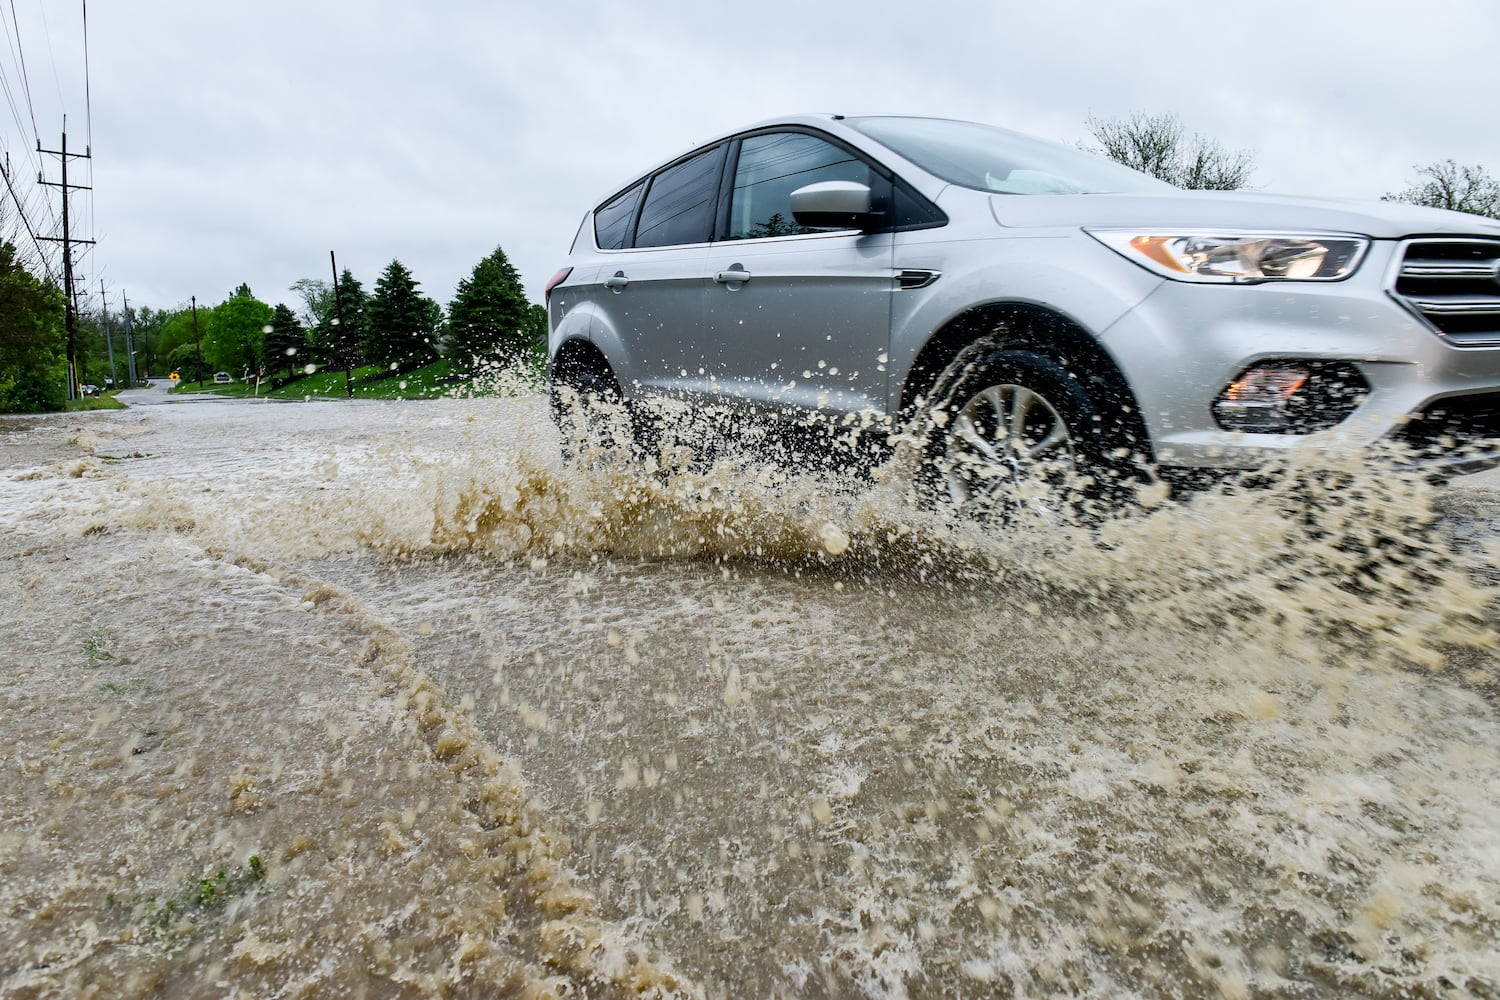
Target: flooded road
<point x="383" y="699"/>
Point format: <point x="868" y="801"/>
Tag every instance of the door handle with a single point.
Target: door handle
<point x="616" y="281"/>
<point x="736" y="275"/>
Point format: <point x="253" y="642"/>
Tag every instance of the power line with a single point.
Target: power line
<point x="88" y="124"/>
<point x="35" y="203"/>
<point x="88" y="110"/>
<point x="47" y="34"/>
<point x="25" y="76"/>
<point x="10" y="98"/>
<point x="13" y="41"/>
<point x="21" y="209"/>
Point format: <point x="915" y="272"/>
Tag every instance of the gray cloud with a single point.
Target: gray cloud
<point x="242" y="144"/>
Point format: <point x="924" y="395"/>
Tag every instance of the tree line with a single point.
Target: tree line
<point x="488" y="324"/>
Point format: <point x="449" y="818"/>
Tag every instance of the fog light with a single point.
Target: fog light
<point x="1290" y="397"/>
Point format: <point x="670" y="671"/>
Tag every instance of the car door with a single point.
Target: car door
<point x="796" y="316"/>
<point x="649" y="306"/>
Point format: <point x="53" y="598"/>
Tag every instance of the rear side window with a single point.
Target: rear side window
<point x="680" y="206"/>
<point x="612" y="219"/>
<point x="771" y="167"/>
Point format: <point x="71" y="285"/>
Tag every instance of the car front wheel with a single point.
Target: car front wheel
<point x="1012" y="431"/>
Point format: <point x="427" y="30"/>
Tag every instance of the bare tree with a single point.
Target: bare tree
<point x="1448" y="185"/>
<point x="1159" y="146"/>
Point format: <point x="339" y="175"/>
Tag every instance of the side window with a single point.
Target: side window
<point x="771" y="167"/>
<point x="612" y="219"/>
<point x="680" y="206"/>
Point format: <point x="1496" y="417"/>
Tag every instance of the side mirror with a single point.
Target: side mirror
<point x="835" y="205"/>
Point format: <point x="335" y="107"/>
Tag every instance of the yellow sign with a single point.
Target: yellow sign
<point x="174" y="377"/>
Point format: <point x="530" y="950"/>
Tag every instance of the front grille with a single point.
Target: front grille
<point x="1454" y="285"/>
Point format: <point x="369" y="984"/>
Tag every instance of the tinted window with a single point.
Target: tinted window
<point x="612" y="219"/>
<point x="680" y="205"/>
<point x="771" y="167"/>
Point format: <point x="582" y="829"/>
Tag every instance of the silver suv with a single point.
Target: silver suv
<point x="1035" y="303"/>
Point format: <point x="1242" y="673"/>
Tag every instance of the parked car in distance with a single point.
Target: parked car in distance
<point x="88" y="390"/>
<point x="1040" y="303"/>
<point x="222" y="378"/>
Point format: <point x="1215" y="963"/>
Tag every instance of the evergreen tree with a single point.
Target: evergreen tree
<point x="285" y="342"/>
<point x="401" y="331"/>
<point x="343" y="334"/>
<point x="317" y="302"/>
<point x="488" y="320"/>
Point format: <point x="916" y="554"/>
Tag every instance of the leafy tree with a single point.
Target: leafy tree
<point x="235" y="336"/>
<point x="285" y="341"/>
<point x="317" y="300"/>
<point x="186" y="362"/>
<point x="177" y="329"/>
<point x="25" y="252"/>
<point x="145" y="325"/>
<point x="185" y="329"/>
<point x="1448" y="185"/>
<point x="488" y="319"/>
<point x="403" y="324"/>
<point x="33" y="374"/>
<point x="1157" y="145"/>
<point x="90" y="355"/>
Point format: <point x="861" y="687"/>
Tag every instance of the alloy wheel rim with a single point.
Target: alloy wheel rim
<point x="1004" y="438"/>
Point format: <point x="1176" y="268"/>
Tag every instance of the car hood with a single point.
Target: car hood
<point x="1236" y="210"/>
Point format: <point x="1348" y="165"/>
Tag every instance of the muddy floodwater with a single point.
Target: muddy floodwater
<point x="381" y="699"/>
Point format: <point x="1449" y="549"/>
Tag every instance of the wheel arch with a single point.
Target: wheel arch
<point x="1040" y="330"/>
<point x="576" y="356"/>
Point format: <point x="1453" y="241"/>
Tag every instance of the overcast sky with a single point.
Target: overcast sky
<point x="242" y="142"/>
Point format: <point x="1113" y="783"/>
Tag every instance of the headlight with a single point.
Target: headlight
<point x="1238" y="257"/>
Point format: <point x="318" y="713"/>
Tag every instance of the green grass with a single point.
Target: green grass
<point x="434" y="381"/>
<point x="196" y="900"/>
<point x="108" y="402"/>
<point x="96" y="646"/>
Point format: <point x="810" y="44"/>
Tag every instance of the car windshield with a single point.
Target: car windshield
<point x="1001" y="161"/>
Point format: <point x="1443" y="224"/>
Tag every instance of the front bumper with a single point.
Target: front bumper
<point x="1186" y="342"/>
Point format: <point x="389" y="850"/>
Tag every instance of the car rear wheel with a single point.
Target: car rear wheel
<point x="591" y="411"/>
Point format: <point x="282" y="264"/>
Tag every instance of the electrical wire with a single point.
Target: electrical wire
<point x="88" y="109"/>
<point x="25" y="76"/>
<point x="46" y="265"/>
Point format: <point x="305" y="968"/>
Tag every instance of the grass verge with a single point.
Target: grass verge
<point x="435" y="381"/>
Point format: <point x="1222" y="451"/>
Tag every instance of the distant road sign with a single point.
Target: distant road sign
<point x="175" y="378"/>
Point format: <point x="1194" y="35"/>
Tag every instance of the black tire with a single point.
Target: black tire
<point x="593" y="414"/>
<point x="1012" y="431"/>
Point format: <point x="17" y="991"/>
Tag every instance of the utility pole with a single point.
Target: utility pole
<point x="129" y="337"/>
<point x="109" y="338"/>
<point x="197" y="341"/>
<point x="338" y="320"/>
<point x="67" y="241"/>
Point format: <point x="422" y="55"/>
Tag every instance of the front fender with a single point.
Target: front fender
<point x="1069" y="275"/>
